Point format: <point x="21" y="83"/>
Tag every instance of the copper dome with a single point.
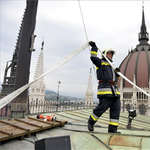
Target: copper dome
<point x="136" y="65"/>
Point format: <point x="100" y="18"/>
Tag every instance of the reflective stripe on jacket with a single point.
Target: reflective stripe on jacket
<point x="105" y="73"/>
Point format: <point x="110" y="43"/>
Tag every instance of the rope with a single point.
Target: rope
<point x="83" y="22"/>
<point x="86" y="33"/>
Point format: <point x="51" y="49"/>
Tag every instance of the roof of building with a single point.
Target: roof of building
<point x="82" y="139"/>
<point x="137" y="62"/>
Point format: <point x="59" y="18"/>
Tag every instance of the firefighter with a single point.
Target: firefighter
<point x="108" y="94"/>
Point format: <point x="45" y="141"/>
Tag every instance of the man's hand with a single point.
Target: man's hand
<point x="92" y="44"/>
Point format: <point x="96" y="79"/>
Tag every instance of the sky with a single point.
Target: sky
<point x="111" y="24"/>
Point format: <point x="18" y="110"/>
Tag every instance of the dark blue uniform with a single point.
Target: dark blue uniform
<point x="108" y="94"/>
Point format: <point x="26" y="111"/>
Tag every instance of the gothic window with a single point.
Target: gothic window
<point x="127" y="95"/>
<point x="145" y="96"/>
<point x="140" y="95"/>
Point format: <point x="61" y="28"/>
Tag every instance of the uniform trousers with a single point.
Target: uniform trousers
<point x="104" y="103"/>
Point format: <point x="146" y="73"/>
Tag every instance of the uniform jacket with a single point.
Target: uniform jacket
<point x="106" y="75"/>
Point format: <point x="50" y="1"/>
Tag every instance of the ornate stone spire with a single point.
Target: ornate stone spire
<point x="89" y="93"/>
<point x="143" y="35"/>
<point x="40" y="65"/>
<point x="37" y="90"/>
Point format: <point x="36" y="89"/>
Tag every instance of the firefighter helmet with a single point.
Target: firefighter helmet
<point x="108" y="50"/>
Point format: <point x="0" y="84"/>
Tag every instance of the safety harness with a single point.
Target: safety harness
<point x="110" y="82"/>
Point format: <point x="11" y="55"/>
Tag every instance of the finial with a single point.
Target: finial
<point x="42" y="44"/>
<point x="143" y="35"/>
<point x="143" y="5"/>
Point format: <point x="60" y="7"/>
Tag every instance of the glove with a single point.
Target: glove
<point x="117" y="70"/>
<point x="92" y="44"/>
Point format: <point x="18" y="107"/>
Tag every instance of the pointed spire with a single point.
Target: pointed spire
<point x="143" y="35"/>
<point x="89" y="93"/>
<point x="37" y="89"/>
<point x="89" y="88"/>
<point x="40" y="66"/>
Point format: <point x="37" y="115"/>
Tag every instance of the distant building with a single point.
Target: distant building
<point x="136" y="67"/>
<point x="89" y="93"/>
<point x="37" y="90"/>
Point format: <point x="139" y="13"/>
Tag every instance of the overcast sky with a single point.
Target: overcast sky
<point x="111" y="24"/>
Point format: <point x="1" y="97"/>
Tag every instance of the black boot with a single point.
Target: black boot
<point x="113" y="129"/>
<point x="90" y="127"/>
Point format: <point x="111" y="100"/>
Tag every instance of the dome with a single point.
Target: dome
<point x="136" y="65"/>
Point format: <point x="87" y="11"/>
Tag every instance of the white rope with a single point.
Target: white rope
<point x="83" y="21"/>
<point x="86" y="35"/>
<point x="119" y="73"/>
<point x="4" y="101"/>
